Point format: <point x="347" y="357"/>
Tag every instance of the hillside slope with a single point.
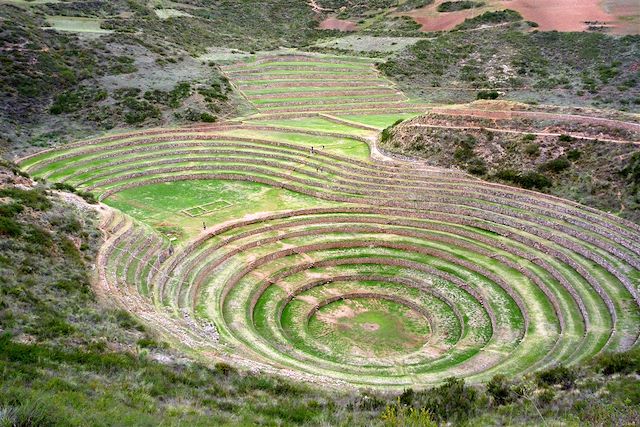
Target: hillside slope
<point x="536" y="67"/>
<point x="587" y="161"/>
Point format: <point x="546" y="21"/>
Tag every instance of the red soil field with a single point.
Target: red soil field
<point x="622" y="16"/>
<point x="563" y="15"/>
<point x="443" y="21"/>
<point x="337" y="24"/>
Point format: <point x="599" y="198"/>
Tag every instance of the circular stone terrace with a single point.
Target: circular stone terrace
<point x="278" y="243"/>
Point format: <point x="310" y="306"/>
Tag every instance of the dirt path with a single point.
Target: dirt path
<point x="501" y="130"/>
<point x="316" y="7"/>
<point x="509" y="114"/>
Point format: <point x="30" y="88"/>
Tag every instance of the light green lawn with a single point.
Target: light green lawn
<point x="160" y="204"/>
<point x="77" y="24"/>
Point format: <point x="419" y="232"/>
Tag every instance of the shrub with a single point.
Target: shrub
<point x="526" y="180"/>
<point x="88" y="197"/>
<point x="9" y="227"/>
<point x="562" y="375"/>
<point x="533" y="180"/>
<point x="488" y="18"/>
<point x="139" y="111"/>
<point x="529" y="137"/>
<point x="453" y="6"/>
<point x="487" y="94"/>
<point x="565" y="138"/>
<point x="573" y="155"/>
<point x="500" y="390"/>
<point x="387" y="132"/>
<point x="546" y="396"/>
<point x="508" y="175"/>
<point x="532" y="149"/>
<point x="64" y="187"/>
<point x="451" y="402"/>
<point x="53" y="326"/>
<point x="178" y="94"/>
<point x="147" y="343"/>
<point x="39" y="236"/>
<point x="632" y="170"/>
<point x="10" y="210"/>
<point x="207" y="117"/>
<point x="72" y="101"/>
<point x="464" y="151"/>
<point x="619" y="363"/>
<point x="556" y="165"/>
<point x="477" y="167"/>
<point x="72" y="286"/>
<point x="224" y="369"/>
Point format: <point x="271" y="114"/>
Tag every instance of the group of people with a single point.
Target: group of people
<point x="318" y="168"/>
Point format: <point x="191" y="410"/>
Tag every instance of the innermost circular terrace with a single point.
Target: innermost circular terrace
<point x="368" y="328"/>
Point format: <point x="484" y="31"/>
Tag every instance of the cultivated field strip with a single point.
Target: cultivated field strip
<point x="486" y="278"/>
<point x="312" y="84"/>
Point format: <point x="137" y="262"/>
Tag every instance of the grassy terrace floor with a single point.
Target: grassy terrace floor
<point x="279" y="242"/>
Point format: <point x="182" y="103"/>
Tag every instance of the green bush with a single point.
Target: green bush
<point x="9" y="227"/>
<point x="526" y="180"/>
<point x="88" y="197"/>
<point x="533" y="180"/>
<point x="532" y="149"/>
<point x="556" y="165"/>
<point x="546" y="396"/>
<point x="207" y="117"/>
<point x="488" y="18"/>
<point x="477" y="167"/>
<point x="39" y="236"/>
<point x="565" y="138"/>
<point x="573" y="154"/>
<point x="451" y="402"/>
<point x="147" y="343"/>
<point x="34" y="199"/>
<point x="500" y="390"/>
<point x="74" y="100"/>
<point x="179" y="94"/>
<point x="453" y="6"/>
<point x="558" y="375"/>
<point x="224" y="369"/>
<point x="508" y="175"/>
<point x="64" y="187"/>
<point x="52" y="326"/>
<point x="464" y="151"/>
<point x="387" y="132"/>
<point x="632" y="170"/>
<point x="139" y="111"/>
<point x="487" y="94"/>
<point x="10" y="210"/>
<point x="619" y="363"/>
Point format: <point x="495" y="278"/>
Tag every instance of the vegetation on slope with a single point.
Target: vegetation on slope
<point x="545" y="67"/>
<point x="60" y="84"/>
<point x="596" y="173"/>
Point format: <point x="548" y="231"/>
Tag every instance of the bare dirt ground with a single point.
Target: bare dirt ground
<point x="337" y="24"/>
